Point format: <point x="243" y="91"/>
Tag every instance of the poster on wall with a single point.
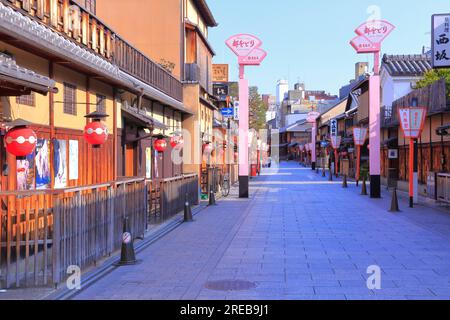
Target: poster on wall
<point x="43" y="178"/>
<point x="26" y="173"/>
<point x="60" y="163"/>
<point x="148" y="163"/>
<point x="73" y="160"/>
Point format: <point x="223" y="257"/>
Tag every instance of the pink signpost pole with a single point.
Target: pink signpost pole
<point x="312" y="118"/>
<point x="370" y="36"/>
<point x="247" y="48"/>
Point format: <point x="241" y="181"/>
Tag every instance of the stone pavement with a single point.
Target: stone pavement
<point x="298" y="237"/>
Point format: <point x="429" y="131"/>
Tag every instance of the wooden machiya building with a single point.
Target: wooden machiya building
<point x="58" y="64"/>
<point x="434" y="143"/>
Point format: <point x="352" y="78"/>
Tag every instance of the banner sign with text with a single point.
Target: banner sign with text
<point x="440" y="41"/>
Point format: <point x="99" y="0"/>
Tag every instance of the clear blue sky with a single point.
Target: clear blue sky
<point x="308" y="40"/>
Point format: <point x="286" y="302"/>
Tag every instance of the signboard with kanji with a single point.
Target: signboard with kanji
<point x="359" y="136"/>
<point x="333" y="127"/>
<point x="220" y="89"/>
<point x="375" y="31"/>
<point x="220" y="73"/>
<point x="412" y="121"/>
<point x="441" y="40"/>
<point x="336" y="141"/>
<point x="254" y="58"/>
<point x="243" y="44"/>
<point x="363" y="45"/>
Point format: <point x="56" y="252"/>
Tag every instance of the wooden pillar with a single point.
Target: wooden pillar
<point x="52" y="126"/>
<point x="89" y="170"/>
<point x="114" y="175"/>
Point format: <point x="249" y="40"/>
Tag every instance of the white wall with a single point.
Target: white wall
<point x="394" y="89"/>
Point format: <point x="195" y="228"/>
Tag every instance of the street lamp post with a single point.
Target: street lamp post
<point x="247" y="48"/>
<point x="370" y="36"/>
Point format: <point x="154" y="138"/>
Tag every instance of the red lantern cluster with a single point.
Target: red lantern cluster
<point x="160" y="145"/>
<point x="96" y="133"/>
<point x="20" y="141"/>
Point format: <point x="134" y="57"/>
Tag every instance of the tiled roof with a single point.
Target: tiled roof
<point x="407" y="65"/>
<point x="10" y="70"/>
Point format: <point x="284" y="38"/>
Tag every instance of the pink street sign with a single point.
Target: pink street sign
<point x="254" y="58"/>
<point x="312" y="117"/>
<point x="336" y="141"/>
<point x="359" y="136"/>
<point x="412" y="121"/>
<point x="243" y="44"/>
<point x="363" y="45"/>
<point x="375" y="31"/>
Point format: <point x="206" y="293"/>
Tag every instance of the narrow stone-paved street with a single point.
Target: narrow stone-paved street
<point x="298" y="237"/>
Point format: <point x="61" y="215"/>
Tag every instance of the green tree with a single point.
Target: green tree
<point x="432" y="76"/>
<point x="257" y="110"/>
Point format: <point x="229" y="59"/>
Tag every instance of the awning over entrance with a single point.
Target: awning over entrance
<point x="143" y="120"/>
<point x="18" y="81"/>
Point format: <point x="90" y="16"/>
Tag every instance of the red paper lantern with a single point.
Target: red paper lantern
<point x="96" y="133"/>
<point x="20" y="141"/>
<point x="160" y="145"/>
<point x="176" y="141"/>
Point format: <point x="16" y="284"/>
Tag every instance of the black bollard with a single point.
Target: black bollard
<point x="212" y="197"/>
<point x="187" y="210"/>
<point x="364" y="187"/>
<point x="394" y="202"/>
<point x="127" y="256"/>
<point x="344" y="182"/>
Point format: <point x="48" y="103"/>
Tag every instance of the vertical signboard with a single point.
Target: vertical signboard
<point x="440" y="40"/>
<point x="220" y="73"/>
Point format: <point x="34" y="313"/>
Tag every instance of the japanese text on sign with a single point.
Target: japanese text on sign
<point x="441" y="41"/>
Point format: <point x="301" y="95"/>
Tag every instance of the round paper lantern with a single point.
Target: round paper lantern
<point x="96" y="133"/>
<point x="176" y="141"/>
<point x="160" y="145"/>
<point x="20" y="141"/>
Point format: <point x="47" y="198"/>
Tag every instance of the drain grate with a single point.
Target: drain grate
<point x="230" y="285"/>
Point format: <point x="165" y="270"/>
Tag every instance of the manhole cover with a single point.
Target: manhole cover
<point x="230" y="285"/>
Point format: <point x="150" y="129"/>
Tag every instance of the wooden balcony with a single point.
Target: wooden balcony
<point x="77" y="24"/>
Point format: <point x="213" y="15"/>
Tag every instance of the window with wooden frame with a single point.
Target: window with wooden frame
<point x="70" y="99"/>
<point x="27" y="100"/>
<point x="101" y="103"/>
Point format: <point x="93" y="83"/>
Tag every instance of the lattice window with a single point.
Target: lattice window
<point x="101" y="103"/>
<point x="70" y="99"/>
<point x="27" y="100"/>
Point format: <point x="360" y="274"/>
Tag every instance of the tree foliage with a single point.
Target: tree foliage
<point x="432" y="76"/>
<point x="257" y="110"/>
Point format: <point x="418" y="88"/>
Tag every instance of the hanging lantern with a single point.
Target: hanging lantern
<point x="176" y="141"/>
<point x="160" y="145"/>
<point x="20" y="141"/>
<point x="96" y="133"/>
